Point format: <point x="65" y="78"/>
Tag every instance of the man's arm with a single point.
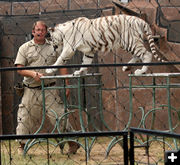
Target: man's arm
<point x="29" y="73"/>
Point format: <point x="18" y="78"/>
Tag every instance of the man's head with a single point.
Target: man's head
<point x="39" y="31"/>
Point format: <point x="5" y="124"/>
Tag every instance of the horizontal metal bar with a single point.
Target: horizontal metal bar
<point x="69" y="76"/>
<point x="88" y="65"/>
<point x="64" y="135"/>
<point x="71" y="86"/>
<point x="155" y="132"/>
<point x="156" y="86"/>
<point x="156" y="75"/>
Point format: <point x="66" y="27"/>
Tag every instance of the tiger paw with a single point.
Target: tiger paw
<point x="50" y="70"/>
<point x="124" y="68"/>
<point x="138" y="72"/>
<point x="80" y="72"/>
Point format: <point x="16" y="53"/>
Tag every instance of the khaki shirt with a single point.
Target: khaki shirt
<point x="32" y="54"/>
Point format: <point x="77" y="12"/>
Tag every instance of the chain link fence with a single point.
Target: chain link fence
<point x="144" y="105"/>
<point x="47" y="151"/>
<point x="155" y="147"/>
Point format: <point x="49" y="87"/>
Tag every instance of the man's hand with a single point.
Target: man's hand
<point x="37" y="76"/>
<point x="30" y="73"/>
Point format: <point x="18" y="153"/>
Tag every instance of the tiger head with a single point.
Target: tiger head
<point x="55" y="36"/>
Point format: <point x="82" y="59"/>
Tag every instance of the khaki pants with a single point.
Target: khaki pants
<point x="30" y="112"/>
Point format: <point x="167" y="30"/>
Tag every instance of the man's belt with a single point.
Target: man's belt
<point x="40" y="87"/>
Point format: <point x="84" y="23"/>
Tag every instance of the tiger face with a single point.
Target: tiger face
<point x="56" y="38"/>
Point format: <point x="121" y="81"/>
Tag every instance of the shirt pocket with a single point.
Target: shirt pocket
<point x="51" y="58"/>
<point x="32" y="57"/>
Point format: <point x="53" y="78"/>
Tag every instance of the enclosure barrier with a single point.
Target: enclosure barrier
<point x="155" y="147"/>
<point x="46" y="153"/>
<point x="152" y="151"/>
<point x="81" y="84"/>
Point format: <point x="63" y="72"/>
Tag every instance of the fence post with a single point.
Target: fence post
<point x="131" y="153"/>
<point x="125" y="146"/>
<point x="0" y="152"/>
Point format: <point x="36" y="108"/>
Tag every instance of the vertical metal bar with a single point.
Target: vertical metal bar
<point x="154" y="102"/>
<point x="44" y="107"/>
<point x="131" y="156"/>
<point x="11" y="12"/>
<point x="65" y="104"/>
<point x="100" y="98"/>
<point x="100" y="104"/>
<point x="80" y="105"/>
<point x="48" y="161"/>
<point x="113" y="10"/>
<point x="86" y="149"/>
<point x="84" y="105"/>
<point x="116" y="101"/>
<point x="169" y="104"/>
<point x="64" y="93"/>
<point x="130" y="102"/>
<point x="125" y="147"/>
<point x="81" y="117"/>
<point x="147" y="148"/>
<point x="0" y="153"/>
<point x="39" y="7"/>
<point x="69" y="5"/>
<point x="10" y="156"/>
<point x="43" y="96"/>
<point x="98" y="3"/>
<point x="169" y="109"/>
<point x="164" y="146"/>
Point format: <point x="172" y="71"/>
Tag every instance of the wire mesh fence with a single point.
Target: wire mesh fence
<point x="142" y="103"/>
<point x="155" y="147"/>
<point x="47" y="151"/>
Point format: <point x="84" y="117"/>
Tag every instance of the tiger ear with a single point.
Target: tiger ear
<point x="51" y="29"/>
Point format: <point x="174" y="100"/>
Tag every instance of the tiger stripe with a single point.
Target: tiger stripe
<point x="105" y="34"/>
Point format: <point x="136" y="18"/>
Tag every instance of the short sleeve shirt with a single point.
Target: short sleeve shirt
<point x="32" y="54"/>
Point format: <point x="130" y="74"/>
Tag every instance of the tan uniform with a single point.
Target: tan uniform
<point x="31" y="54"/>
<point x="30" y="110"/>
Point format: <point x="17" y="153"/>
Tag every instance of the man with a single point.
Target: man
<point x="38" y="52"/>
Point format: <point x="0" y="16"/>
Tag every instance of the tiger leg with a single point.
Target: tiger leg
<point x="87" y="59"/>
<point x="65" y="55"/>
<point x="146" y="58"/>
<point x="133" y="60"/>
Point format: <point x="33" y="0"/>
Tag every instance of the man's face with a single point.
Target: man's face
<point x="39" y="32"/>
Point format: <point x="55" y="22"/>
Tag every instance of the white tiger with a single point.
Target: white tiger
<point x="103" y="34"/>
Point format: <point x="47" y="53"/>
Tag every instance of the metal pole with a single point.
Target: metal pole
<point x="69" y="4"/>
<point x="169" y="104"/>
<point x="80" y="105"/>
<point x="0" y="152"/>
<point x="10" y="154"/>
<point x="65" y="104"/>
<point x="131" y="156"/>
<point x="130" y="102"/>
<point x="98" y="3"/>
<point x="154" y="103"/>
<point x="125" y="146"/>
<point x="169" y="109"/>
<point x="48" y="151"/>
